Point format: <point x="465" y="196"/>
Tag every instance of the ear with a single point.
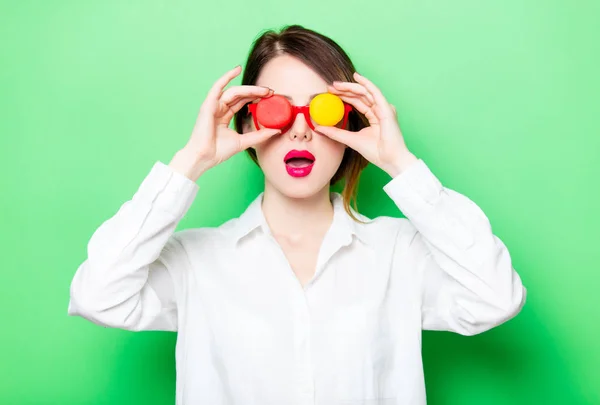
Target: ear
<point x="246" y="126"/>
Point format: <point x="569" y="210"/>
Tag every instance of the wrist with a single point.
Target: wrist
<point x="400" y="164"/>
<point x="189" y="163"/>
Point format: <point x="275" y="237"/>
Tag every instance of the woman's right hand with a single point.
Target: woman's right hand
<point x="212" y="141"/>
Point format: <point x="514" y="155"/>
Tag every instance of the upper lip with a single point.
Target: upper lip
<point x="298" y="154"/>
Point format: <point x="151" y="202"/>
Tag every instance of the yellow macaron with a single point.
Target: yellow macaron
<point x="326" y="109"/>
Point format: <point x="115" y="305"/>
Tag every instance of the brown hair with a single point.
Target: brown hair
<point x="329" y="60"/>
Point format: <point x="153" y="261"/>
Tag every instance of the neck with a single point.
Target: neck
<point x="297" y="218"/>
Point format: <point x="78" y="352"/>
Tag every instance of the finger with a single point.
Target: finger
<point x="242" y="102"/>
<point x="348" y="94"/>
<point x="357" y="102"/>
<point x="250" y="139"/>
<point x="355" y="88"/>
<point x="339" y="135"/>
<point x="217" y="88"/>
<point x="233" y="94"/>
<point x="231" y="110"/>
<point x="377" y="94"/>
<point x="362" y="108"/>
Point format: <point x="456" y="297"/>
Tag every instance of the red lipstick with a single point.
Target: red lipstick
<point x="299" y="163"/>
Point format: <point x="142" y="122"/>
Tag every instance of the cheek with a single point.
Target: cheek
<point x="334" y="150"/>
<point x="266" y="152"/>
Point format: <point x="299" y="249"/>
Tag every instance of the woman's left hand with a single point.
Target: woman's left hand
<point x="381" y="143"/>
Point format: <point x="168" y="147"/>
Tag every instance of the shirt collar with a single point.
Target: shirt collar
<point x="343" y="225"/>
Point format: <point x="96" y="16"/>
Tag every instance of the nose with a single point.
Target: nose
<point x="300" y="129"/>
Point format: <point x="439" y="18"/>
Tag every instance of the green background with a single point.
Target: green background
<point x="500" y="98"/>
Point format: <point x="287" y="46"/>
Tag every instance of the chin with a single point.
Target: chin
<point x="300" y="188"/>
<point x="300" y="193"/>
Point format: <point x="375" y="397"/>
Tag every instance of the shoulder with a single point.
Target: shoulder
<point x="383" y="228"/>
<point x="215" y="236"/>
<point x="213" y="239"/>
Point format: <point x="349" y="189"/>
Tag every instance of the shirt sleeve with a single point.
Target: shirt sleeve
<point x="127" y="280"/>
<point x="468" y="282"/>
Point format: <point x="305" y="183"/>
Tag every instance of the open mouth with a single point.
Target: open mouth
<point x="299" y="158"/>
<point x="299" y="163"/>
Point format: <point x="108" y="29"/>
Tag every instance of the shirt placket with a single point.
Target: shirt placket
<point x="303" y="368"/>
<point x="302" y="344"/>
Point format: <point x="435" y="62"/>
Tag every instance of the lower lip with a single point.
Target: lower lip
<point x="299" y="171"/>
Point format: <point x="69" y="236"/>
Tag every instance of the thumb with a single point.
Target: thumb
<point x="253" y="138"/>
<point x="337" y="134"/>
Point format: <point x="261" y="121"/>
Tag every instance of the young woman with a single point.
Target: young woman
<point x="300" y="300"/>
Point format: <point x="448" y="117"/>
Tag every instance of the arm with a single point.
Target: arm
<point x="467" y="279"/>
<point x="127" y="279"/>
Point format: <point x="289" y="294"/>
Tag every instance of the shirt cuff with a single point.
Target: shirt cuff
<point x="415" y="189"/>
<point x="167" y="189"/>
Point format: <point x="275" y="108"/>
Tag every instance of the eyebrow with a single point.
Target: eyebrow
<point x="311" y="97"/>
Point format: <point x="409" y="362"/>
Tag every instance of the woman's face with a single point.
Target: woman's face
<point x="295" y="178"/>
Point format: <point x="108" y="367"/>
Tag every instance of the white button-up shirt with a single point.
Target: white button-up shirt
<point x="250" y="334"/>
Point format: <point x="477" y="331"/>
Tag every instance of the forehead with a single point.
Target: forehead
<point x="289" y="76"/>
